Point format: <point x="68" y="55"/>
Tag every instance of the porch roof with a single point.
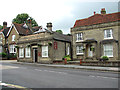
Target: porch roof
<point x="108" y="41"/>
<point x="90" y="40"/>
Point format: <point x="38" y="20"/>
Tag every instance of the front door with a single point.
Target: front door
<point x="35" y="54"/>
<point x="90" y="52"/>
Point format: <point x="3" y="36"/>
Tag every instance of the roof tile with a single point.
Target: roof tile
<point x="97" y="19"/>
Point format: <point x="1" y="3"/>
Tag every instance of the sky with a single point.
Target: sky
<point x="61" y="13"/>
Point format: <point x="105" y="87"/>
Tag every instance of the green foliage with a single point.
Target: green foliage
<point x="16" y="46"/>
<point x="21" y="18"/>
<point x="1" y="27"/>
<point x="59" y="31"/>
<point x="67" y="57"/>
<point x="104" y="58"/>
<point x="12" y="55"/>
<point x="3" y="54"/>
<point x="50" y="43"/>
<point x="69" y="34"/>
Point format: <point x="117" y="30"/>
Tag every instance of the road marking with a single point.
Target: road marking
<point x="12" y="85"/>
<point x="102" y="77"/>
<point x="51" y="71"/>
<point x="7" y="67"/>
<point x="38" y="70"/>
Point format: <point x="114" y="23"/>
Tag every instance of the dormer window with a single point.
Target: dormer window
<point x="108" y="34"/>
<point x="25" y="25"/>
<point x="13" y="37"/>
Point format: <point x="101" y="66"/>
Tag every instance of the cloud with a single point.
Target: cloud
<point x="62" y="13"/>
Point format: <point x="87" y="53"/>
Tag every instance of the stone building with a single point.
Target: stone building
<point x="44" y="46"/>
<point x="3" y="38"/>
<point x="96" y="36"/>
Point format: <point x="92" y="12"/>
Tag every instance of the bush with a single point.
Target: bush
<point x="104" y="58"/>
<point x="67" y="57"/>
<point x="12" y="55"/>
<point x="3" y="54"/>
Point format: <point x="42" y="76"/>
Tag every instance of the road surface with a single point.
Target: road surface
<point x="31" y="76"/>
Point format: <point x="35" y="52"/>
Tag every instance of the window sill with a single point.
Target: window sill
<point x="80" y="54"/>
<point x="21" y="57"/>
<point x="108" y="38"/>
<point x="44" y="57"/>
<point x="80" y="41"/>
<point x="27" y="57"/>
<point x="110" y="56"/>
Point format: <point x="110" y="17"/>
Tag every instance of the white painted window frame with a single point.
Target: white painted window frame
<point x="68" y="50"/>
<point x="21" y="52"/>
<point x="44" y="51"/>
<point x="12" y="48"/>
<point x="78" y="49"/>
<point x="27" y="52"/>
<point x="106" y="34"/>
<point x="79" y="37"/>
<point x="111" y="49"/>
<point x="13" y="37"/>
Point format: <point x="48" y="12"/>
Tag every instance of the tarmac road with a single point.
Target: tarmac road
<point x="31" y="76"/>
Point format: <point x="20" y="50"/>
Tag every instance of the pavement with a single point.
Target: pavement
<point x="114" y="69"/>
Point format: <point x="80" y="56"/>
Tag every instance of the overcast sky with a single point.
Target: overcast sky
<point x="62" y="13"/>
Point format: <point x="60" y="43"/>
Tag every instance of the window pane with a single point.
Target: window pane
<point x="79" y="49"/>
<point x="79" y="36"/>
<point x="27" y="52"/>
<point x="21" y="52"/>
<point x="108" y="33"/>
<point x="108" y="50"/>
<point x="44" y="51"/>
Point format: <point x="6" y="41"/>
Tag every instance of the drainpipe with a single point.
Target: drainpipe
<point x="65" y="48"/>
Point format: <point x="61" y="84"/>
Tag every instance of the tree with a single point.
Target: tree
<point x="1" y="27"/>
<point x="21" y="18"/>
<point x="59" y="31"/>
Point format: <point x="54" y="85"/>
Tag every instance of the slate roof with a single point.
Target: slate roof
<point x="36" y="28"/>
<point x="62" y="37"/>
<point x="97" y="19"/>
<point x="5" y="31"/>
<point x="41" y="36"/>
<point x="22" y="30"/>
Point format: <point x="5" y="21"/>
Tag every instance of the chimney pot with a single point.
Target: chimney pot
<point x="103" y="11"/>
<point x="94" y="12"/>
<point x="4" y="25"/>
<point x="49" y="26"/>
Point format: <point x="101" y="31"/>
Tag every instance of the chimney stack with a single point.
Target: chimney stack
<point x="94" y="12"/>
<point x="29" y="22"/>
<point x="103" y="11"/>
<point x="4" y="25"/>
<point x="49" y="26"/>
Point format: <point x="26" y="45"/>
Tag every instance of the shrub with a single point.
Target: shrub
<point x="12" y="55"/>
<point x="67" y="57"/>
<point x="3" y="54"/>
<point x="50" y="43"/>
<point x="104" y="58"/>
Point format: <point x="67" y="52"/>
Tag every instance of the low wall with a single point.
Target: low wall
<point x="115" y="63"/>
